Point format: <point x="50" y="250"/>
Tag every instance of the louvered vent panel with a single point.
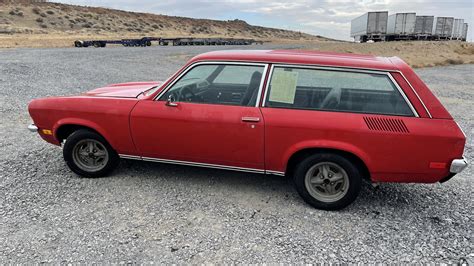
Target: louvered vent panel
<point x="386" y="124"/>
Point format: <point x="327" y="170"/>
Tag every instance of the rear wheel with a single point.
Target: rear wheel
<point x="327" y="181"/>
<point x="88" y="154"/>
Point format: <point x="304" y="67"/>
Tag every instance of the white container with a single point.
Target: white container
<point x="371" y="23"/>
<point x="464" y="32"/>
<point x="401" y="24"/>
<point x="457" y="28"/>
<point x="443" y="27"/>
<point x="424" y="25"/>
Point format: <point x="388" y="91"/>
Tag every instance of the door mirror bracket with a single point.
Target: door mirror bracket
<point x="171" y="101"/>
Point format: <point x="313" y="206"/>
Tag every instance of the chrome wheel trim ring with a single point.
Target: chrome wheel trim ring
<point x="327" y="182"/>
<point x="90" y="155"/>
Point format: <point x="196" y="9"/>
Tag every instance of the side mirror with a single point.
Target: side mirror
<point x="171" y="101"/>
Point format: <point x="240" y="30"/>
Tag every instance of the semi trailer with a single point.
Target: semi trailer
<point x="401" y="26"/>
<point x="379" y="26"/>
<point x="464" y="32"/>
<point x="457" y="29"/>
<point x="180" y="41"/>
<point x="370" y="26"/>
<point x="443" y="28"/>
<point x="423" y="27"/>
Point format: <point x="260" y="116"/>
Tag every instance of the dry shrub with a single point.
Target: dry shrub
<point x="36" y="10"/>
<point x="465" y="49"/>
<point x="452" y="61"/>
<point x="16" y="12"/>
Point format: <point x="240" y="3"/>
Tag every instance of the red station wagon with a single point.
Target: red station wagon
<point x="326" y="119"/>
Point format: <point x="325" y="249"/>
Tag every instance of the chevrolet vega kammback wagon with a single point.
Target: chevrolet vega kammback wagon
<point x="327" y="120"/>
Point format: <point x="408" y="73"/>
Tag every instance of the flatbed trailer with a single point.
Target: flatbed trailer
<point x="180" y="41"/>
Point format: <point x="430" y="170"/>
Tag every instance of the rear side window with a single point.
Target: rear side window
<point x="334" y="90"/>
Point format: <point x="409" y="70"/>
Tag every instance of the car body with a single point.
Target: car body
<point x="266" y="111"/>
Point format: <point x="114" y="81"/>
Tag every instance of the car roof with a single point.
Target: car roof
<point x="303" y="57"/>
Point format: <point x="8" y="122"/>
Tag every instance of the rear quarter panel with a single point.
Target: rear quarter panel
<point x="389" y="156"/>
<point x="108" y="116"/>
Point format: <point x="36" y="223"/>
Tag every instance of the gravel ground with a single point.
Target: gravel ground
<point x="149" y="212"/>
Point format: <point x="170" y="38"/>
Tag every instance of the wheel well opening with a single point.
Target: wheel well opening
<point x="65" y="131"/>
<point x="300" y="155"/>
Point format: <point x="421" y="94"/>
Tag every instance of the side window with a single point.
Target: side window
<point x="227" y="84"/>
<point x="346" y="91"/>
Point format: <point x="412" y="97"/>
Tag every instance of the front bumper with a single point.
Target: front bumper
<point x="33" y="128"/>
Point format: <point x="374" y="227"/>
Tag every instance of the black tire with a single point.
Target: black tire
<point x="80" y="136"/>
<point x="351" y="190"/>
<point x="78" y="44"/>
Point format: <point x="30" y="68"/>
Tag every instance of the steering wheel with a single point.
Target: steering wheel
<point x="186" y="94"/>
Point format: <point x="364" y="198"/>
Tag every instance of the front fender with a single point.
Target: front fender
<point x="84" y="123"/>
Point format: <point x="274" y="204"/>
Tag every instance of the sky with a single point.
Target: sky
<point x="329" y="18"/>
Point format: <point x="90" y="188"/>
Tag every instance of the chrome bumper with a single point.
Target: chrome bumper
<point x="457" y="165"/>
<point x="33" y="128"/>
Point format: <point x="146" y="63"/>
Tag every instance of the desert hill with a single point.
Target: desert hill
<point x="37" y="17"/>
<point x="38" y="23"/>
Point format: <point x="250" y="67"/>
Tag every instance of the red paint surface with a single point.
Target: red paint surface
<point x="216" y="134"/>
<point x="125" y="90"/>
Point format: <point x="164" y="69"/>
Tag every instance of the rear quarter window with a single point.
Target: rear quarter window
<point x="335" y="90"/>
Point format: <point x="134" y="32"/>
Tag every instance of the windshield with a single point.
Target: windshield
<point x="196" y="75"/>
<point x="154" y="89"/>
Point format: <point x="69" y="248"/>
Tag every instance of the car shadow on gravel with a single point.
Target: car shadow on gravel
<point x="401" y="197"/>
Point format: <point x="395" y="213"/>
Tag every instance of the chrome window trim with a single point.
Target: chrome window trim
<point x="206" y="165"/>
<point x="341" y="69"/>
<point x="309" y="65"/>
<point x="414" y="91"/>
<point x="171" y="84"/>
<point x="267" y="85"/>
<point x="260" y="87"/>
<point x="403" y="94"/>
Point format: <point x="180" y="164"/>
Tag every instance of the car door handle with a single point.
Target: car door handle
<point x="251" y="119"/>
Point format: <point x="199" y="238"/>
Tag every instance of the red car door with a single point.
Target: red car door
<point x="211" y="121"/>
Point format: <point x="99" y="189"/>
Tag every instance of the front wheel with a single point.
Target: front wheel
<point x="327" y="181"/>
<point x="88" y="154"/>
